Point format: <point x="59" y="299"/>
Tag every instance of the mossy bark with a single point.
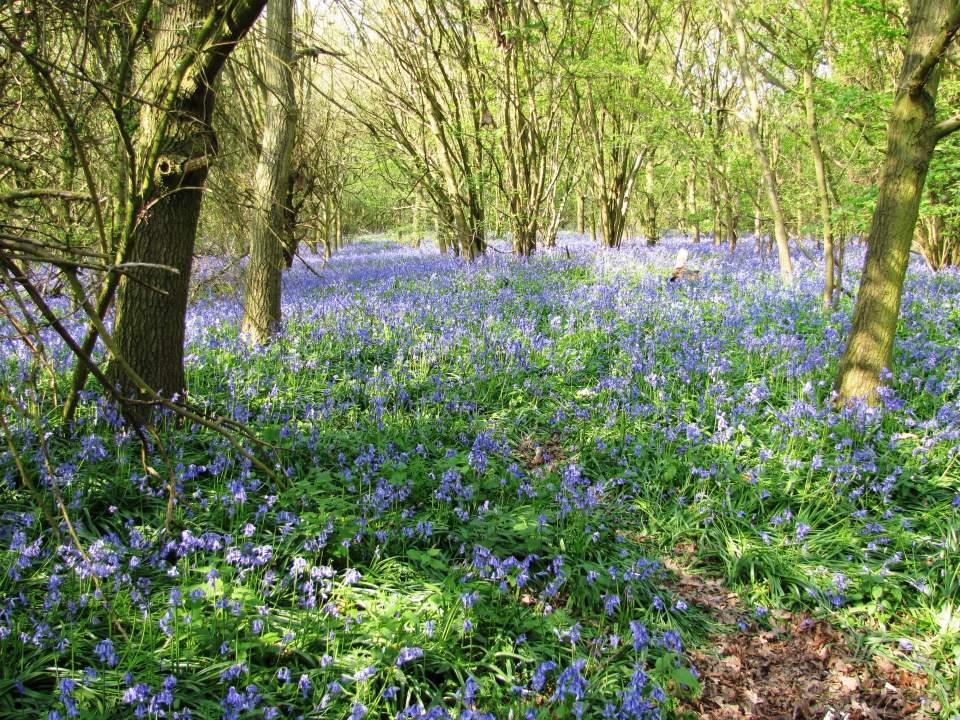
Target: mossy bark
<point x="261" y="300"/>
<point x="175" y="144"/>
<point x="912" y="135"/>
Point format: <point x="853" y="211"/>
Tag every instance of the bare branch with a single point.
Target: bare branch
<point x="946" y="126"/>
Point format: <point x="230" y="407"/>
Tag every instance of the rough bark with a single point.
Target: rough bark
<point x="912" y="135"/>
<point x="261" y="298"/>
<point x="175" y="144"/>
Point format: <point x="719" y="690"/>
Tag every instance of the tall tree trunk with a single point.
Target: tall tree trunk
<point x="261" y="302"/>
<point x="823" y="194"/>
<point x="715" y="210"/>
<point x="338" y="223"/>
<point x="328" y="237"/>
<point x="912" y="135"/>
<point x="729" y="11"/>
<point x="175" y="144"/>
<point x="150" y="320"/>
<point x="758" y="226"/>
<point x="581" y="214"/>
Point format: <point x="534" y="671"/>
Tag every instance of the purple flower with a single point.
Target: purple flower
<point x="408" y="654"/>
<point x="365" y="673"/>
<point x="641" y="638"/>
<point x="233" y="672"/>
<point x="105" y="653"/>
<point x="610" y="603"/>
<point x="671" y="641"/>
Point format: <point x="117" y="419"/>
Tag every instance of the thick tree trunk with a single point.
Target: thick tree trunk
<point x="150" y="321"/>
<point x="175" y="144"/>
<point x="261" y="301"/>
<point x="912" y="135"/>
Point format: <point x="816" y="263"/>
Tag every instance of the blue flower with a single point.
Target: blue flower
<point x="408" y="654"/>
<point x="105" y="653"/>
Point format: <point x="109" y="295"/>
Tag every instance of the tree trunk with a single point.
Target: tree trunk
<point x="440" y="233"/>
<point x="150" y="321"/>
<point x="581" y="216"/>
<point x="758" y="226"/>
<point x="912" y="135"/>
<point x="715" y="211"/>
<point x="650" y="229"/>
<point x="747" y="72"/>
<point x="692" y="217"/>
<point x="823" y="193"/>
<point x="175" y="143"/>
<point x="261" y="302"/>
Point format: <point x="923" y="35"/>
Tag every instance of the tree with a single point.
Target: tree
<point x="261" y="306"/>
<point x="173" y="148"/>
<point x="748" y="73"/>
<point x="913" y="132"/>
<point x="527" y="68"/>
<point x="616" y="102"/>
<point x="422" y="73"/>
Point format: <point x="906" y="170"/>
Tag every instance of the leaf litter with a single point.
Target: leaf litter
<point x="794" y="667"/>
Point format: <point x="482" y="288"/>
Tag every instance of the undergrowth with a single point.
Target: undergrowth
<point x="482" y="469"/>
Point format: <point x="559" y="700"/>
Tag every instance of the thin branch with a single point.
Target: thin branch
<point x="14" y="196"/>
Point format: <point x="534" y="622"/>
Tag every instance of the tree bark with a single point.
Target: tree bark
<point x="692" y="217"/>
<point x="912" y="135"/>
<point x="261" y="302"/>
<point x="748" y="74"/>
<point x="650" y="229"/>
<point x="823" y="193"/>
<point x="175" y="143"/>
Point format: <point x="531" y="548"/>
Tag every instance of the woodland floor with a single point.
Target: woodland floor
<point x="795" y="667"/>
<point x="550" y="488"/>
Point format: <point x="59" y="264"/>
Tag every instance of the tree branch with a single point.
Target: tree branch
<point x="946" y="126"/>
<point x="14" y="196"/>
<point x="941" y="41"/>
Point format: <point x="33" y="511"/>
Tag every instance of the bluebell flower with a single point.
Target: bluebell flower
<point x="408" y="654"/>
<point x="105" y="653"/>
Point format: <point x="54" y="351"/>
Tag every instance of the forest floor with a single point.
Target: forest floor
<point x="546" y="488"/>
<point x="797" y="666"/>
